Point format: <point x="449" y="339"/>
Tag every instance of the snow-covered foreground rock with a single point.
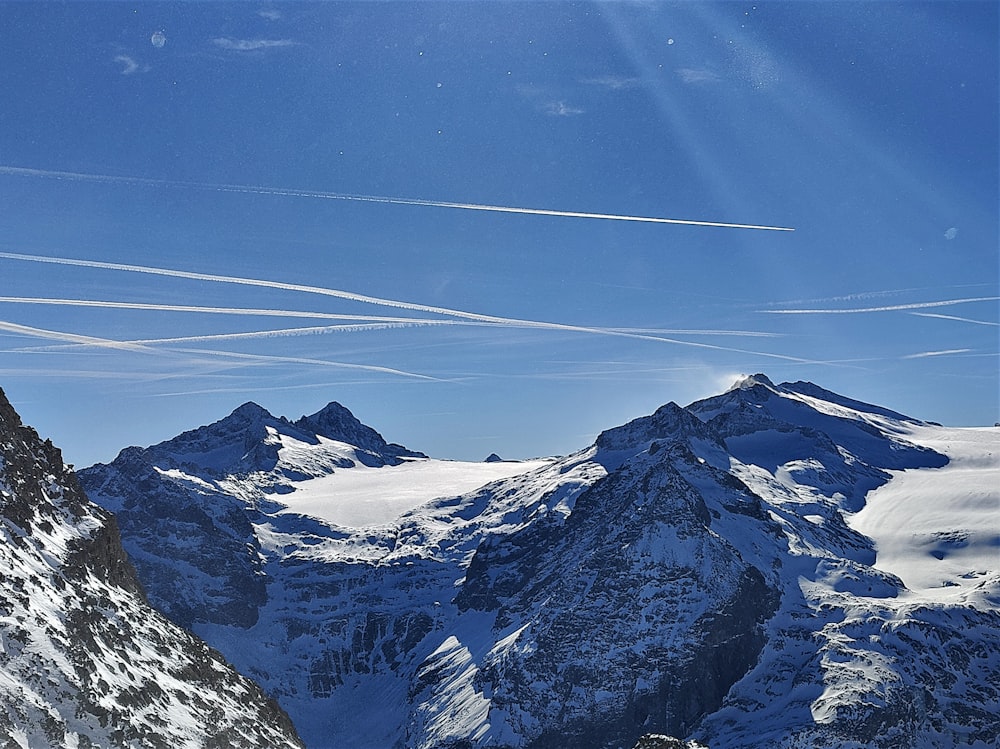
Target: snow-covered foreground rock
<point x="777" y="566"/>
<point x="84" y="660"/>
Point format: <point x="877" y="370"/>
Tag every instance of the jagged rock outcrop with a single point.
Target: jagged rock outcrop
<point x="85" y="661"/>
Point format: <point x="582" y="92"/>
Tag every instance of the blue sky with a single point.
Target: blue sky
<point x="225" y="142"/>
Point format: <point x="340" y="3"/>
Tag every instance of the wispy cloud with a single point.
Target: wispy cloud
<point x="697" y="76"/>
<point x="250" y="45"/>
<point x="271" y="14"/>
<point x="561" y="109"/>
<point x="129" y="65"/>
<point x="613" y="82"/>
<point x="886" y="308"/>
<point x="946" y="352"/>
<point x="954" y="317"/>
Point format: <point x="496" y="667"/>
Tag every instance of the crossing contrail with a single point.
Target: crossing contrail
<point x="292" y="332"/>
<point x="143" y="347"/>
<point x="248" y="311"/>
<point x="74" y="338"/>
<point x="365" y="322"/>
<point x="14" y="171"/>
<point x="362" y="298"/>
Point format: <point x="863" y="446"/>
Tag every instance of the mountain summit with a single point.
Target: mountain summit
<point x="775" y="566"/>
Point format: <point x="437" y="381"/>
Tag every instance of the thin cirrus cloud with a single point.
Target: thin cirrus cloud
<point x="251" y="45"/>
<point x="129" y="65"/>
<point x="561" y="109"/>
<point x="613" y="82"/>
<point x="697" y="76"/>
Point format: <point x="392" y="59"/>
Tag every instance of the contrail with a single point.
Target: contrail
<point x="351" y="296"/>
<point x="14" y="171"/>
<point x="70" y="337"/>
<point x="888" y="308"/>
<point x="289" y="332"/>
<point x="404" y="321"/>
<point x="207" y="310"/>
<point x="301" y="360"/>
<point x="954" y="317"/>
<point x="947" y="352"/>
<point x="86" y="340"/>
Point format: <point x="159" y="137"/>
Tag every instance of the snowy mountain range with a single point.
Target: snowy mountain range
<point x="776" y="566"/>
<point x="84" y="660"/>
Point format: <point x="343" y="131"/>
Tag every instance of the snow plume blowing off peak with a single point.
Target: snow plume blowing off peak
<point x="749" y="381"/>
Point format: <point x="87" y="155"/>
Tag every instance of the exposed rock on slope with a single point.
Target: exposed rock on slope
<point x="84" y="660"/>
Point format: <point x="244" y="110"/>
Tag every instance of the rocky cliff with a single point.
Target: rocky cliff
<point x="84" y="660"/>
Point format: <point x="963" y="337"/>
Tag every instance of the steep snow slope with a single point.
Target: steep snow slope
<point x="84" y="660"/>
<point x="706" y="572"/>
<point x="855" y="658"/>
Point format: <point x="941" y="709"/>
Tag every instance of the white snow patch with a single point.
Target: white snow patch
<point x="362" y="496"/>
<point x="938" y="529"/>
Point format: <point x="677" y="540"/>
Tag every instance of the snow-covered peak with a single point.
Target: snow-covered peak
<point x="749" y="381"/>
<point x="335" y="422"/>
<point x="669" y="423"/>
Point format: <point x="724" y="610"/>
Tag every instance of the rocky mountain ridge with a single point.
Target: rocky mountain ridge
<point x="84" y="660"/>
<point x="693" y="573"/>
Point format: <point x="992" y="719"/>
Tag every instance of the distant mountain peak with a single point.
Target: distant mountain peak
<point x="669" y="423"/>
<point x="250" y="410"/>
<point x="335" y="422"/>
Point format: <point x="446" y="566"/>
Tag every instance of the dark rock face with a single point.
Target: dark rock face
<point x="634" y="614"/>
<point x="659" y="741"/>
<point x="86" y="661"/>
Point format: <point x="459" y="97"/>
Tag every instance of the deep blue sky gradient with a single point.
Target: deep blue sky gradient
<point x="871" y="128"/>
